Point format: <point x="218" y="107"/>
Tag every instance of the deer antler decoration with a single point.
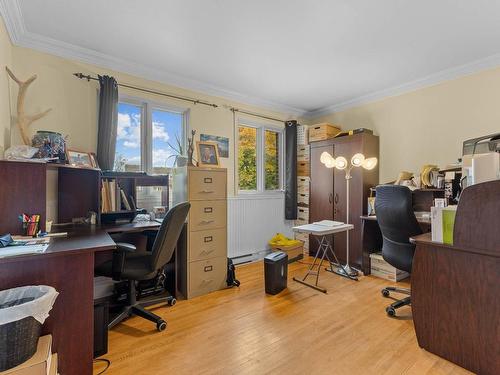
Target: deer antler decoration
<point x="24" y="120"/>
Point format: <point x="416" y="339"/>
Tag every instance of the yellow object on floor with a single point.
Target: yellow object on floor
<point x="281" y="240"/>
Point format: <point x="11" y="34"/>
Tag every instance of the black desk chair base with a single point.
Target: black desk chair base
<point x="391" y="309"/>
<point x="135" y="307"/>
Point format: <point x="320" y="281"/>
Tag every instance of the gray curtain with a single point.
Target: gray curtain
<point x="291" y="170"/>
<point x="108" y="116"/>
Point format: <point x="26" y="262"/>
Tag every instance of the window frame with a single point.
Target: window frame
<point x="147" y="107"/>
<point x="261" y="147"/>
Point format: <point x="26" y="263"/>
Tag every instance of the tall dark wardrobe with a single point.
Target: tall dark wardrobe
<point x="328" y="192"/>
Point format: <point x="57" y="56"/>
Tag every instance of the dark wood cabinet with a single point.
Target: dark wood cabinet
<point x="326" y="182"/>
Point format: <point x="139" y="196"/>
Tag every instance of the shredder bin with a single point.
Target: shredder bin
<point x="275" y="272"/>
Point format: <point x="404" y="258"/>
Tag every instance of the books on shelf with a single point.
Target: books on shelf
<point x="113" y="197"/>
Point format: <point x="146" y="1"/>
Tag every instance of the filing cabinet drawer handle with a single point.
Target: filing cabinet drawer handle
<point x="207" y="221"/>
<point x="208" y="268"/>
<point x="207" y="180"/>
<point x="207" y="191"/>
<point x="207" y="281"/>
<point x="207" y="252"/>
<point x="208" y="210"/>
<point x="208" y="239"/>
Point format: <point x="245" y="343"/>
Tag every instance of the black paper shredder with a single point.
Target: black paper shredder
<point x="275" y="272"/>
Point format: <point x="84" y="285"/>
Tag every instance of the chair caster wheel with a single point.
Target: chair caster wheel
<point x="385" y="292"/>
<point x="391" y="311"/>
<point x="171" y="301"/>
<point x="161" y="325"/>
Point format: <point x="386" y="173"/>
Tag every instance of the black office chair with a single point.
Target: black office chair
<point x="132" y="266"/>
<point x="397" y="221"/>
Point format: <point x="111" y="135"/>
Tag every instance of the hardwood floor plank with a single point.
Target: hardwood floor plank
<point x="244" y="331"/>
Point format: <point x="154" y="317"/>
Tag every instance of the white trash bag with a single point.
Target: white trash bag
<point x="25" y="301"/>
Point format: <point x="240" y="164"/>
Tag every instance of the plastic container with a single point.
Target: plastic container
<point x="275" y="272"/>
<point x="22" y="313"/>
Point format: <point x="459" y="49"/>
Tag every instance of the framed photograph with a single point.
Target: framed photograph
<point x="79" y="159"/>
<point x="222" y="143"/>
<point x="93" y="160"/>
<point x="208" y="154"/>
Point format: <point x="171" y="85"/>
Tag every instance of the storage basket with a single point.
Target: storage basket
<point x="18" y="341"/>
<point x="23" y="311"/>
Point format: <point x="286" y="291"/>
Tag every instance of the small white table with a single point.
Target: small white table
<point x="324" y="246"/>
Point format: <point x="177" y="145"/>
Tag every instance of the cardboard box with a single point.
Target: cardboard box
<point x="380" y="268"/>
<point x="39" y="364"/>
<point x="303" y="168"/>
<point x="295" y="252"/>
<point x="320" y="132"/>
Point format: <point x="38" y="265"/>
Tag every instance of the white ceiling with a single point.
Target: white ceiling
<point x="292" y="55"/>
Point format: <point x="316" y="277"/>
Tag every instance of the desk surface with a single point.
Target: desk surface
<point x="421" y="220"/>
<point x="322" y="230"/>
<point x="130" y="227"/>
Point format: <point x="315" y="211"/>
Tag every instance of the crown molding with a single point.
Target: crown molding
<point x="11" y="12"/>
<point x="20" y="36"/>
<point x="431" y="80"/>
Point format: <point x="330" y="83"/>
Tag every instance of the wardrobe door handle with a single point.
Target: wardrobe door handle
<point x="336" y="198"/>
<point x="330" y="197"/>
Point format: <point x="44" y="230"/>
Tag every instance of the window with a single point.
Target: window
<point x="148" y="137"/>
<point x="259" y="158"/>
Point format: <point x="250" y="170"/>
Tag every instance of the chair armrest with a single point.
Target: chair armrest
<point x="119" y="255"/>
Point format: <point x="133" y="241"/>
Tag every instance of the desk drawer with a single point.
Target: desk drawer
<point x="205" y="184"/>
<point x="207" y="215"/>
<point x="206" y="276"/>
<point x="205" y="244"/>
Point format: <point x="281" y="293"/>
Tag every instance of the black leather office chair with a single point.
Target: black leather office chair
<point x="132" y="266"/>
<point x="397" y="221"/>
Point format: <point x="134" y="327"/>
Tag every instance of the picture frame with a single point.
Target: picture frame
<point x="222" y="143"/>
<point x="80" y="159"/>
<point x="93" y="159"/>
<point x="208" y="154"/>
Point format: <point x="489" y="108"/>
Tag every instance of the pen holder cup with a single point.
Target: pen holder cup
<point x="30" y="229"/>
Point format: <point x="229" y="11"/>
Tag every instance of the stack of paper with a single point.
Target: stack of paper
<point x="329" y="223"/>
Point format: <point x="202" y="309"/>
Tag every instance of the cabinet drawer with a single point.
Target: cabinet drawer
<point x="205" y="184"/>
<point x="207" y="215"/>
<point x="207" y="244"/>
<point x="206" y="276"/>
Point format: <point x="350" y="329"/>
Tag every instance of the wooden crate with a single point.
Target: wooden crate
<point x="320" y="132"/>
<point x="303" y="153"/>
<point x="303" y="168"/>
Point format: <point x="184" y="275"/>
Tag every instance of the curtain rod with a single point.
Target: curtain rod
<point x="255" y="114"/>
<point x="194" y="101"/>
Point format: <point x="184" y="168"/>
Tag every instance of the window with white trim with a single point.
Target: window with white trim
<point x="149" y="136"/>
<point x="260" y="158"/>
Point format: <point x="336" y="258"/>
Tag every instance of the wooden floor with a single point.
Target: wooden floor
<point x="299" y="331"/>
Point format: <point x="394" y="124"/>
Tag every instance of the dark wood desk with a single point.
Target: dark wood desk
<point x="68" y="266"/>
<point x="456" y="288"/>
<point x="372" y="237"/>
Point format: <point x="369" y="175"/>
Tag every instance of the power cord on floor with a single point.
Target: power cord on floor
<point x="107" y="361"/>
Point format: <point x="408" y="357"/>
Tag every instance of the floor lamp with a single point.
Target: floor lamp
<point x="358" y="160"/>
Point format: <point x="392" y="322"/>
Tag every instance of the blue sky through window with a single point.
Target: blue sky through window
<point x="165" y="127"/>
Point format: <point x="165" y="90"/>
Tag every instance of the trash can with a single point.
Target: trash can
<point x="275" y="272"/>
<point x="23" y="310"/>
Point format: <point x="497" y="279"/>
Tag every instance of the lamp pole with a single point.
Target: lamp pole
<point x="347" y="269"/>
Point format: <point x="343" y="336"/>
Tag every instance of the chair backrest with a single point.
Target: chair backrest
<point x="168" y="235"/>
<point x="397" y="221"/>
